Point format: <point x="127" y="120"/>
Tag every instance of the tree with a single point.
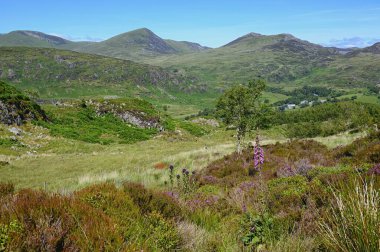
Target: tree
<point x="239" y="107"/>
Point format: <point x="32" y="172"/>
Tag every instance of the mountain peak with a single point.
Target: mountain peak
<point x="248" y="36"/>
<point x="41" y="36"/>
<point x="142" y="38"/>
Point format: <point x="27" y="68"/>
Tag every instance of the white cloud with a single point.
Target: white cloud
<point x="352" y="42"/>
<point x="75" y="38"/>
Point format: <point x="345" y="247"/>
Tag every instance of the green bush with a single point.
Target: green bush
<point x="149" y="201"/>
<point x="6" y="232"/>
<point x="287" y="193"/>
<point x="256" y="230"/>
<point x="162" y="234"/>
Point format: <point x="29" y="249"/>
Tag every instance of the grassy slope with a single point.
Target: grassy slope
<point x="58" y="74"/>
<point x="66" y="164"/>
<point x="280" y="60"/>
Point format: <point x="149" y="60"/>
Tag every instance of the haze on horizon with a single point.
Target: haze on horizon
<point x="211" y="23"/>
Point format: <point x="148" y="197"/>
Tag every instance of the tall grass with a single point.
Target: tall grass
<point x="354" y="220"/>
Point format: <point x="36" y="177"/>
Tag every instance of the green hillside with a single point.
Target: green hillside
<point x="32" y="39"/>
<point x="137" y="45"/>
<point x="140" y="45"/>
<point x="59" y="73"/>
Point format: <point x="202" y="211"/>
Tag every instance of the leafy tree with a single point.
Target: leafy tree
<point x="240" y="107"/>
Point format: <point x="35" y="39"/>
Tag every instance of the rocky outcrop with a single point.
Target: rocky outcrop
<point x="128" y="115"/>
<point x="16" y="108"/>
<point x="19" y="112"/>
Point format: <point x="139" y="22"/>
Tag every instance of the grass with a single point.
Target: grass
<point x="354" y="222"/>
<point x="65" y="165"/>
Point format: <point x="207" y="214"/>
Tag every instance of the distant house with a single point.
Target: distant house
<point x="291" y="106"/>
<point x="304" y="102"/>
<point x="323" y="101"/>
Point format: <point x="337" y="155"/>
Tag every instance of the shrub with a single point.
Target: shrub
<point x="6" y="232"/>
<point x="287" y="193"/>
<point x="162" y="236"/>
<point x="149" y="201"/>
<point x="55" y="222"/>
<point x="354" y="222"/>
<point x="257" y="230"/>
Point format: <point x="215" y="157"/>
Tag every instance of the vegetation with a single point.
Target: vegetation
<point x="353" y="224"/>
<point x="16" y="107"/>
<point x="239" y="107"/>
<point x="97" y="170"/>
<point x="328" y="119"/>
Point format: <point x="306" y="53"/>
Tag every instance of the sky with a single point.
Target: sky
<point x="211" y="23"/>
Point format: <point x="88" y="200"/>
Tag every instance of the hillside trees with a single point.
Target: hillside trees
<point x="240" y="107"/>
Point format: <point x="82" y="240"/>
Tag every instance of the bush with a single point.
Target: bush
<point x="162" y="235"/>
<point x="287" y="193"/>
<point x="55" y="222"/>
<point x="149" y="201"/>
<point x="354" y="220"/>
<point x="257" y="230"/>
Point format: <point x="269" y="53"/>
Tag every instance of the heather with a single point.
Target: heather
<point x="287" y="196"/>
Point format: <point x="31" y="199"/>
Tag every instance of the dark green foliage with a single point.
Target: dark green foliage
<point x="327" y="119"/>
<point x="307" y="93"/>
<point x="257" y="230"/>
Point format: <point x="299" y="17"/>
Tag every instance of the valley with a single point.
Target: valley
<point x="139" y="143"/>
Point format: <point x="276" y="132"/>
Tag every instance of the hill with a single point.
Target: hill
<point x="140" y="45"/>
<point x="135" y="45"/>
<point x="60" y="73"/>
<point x="280" y="58"/>
<point x="32" y="39"/>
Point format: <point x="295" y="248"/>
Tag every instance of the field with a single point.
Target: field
<point x="64" y="165"/>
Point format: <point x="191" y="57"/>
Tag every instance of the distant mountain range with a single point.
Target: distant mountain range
<point x="280" y="58"/>
<point x="133" y="45"/>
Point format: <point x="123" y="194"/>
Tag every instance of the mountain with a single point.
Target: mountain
<point x="31" y="39"/>
<point x="140" y="45"/>
<point x="374" y="49"/>
<point x="277" y="58"/>
<point x="61" y="73"/>
<point x="280" y="58"/>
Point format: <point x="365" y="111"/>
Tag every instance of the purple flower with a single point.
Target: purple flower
<point x="171" y="167"/>
<point x="184" y="170"/>
<point x="258" y="155"/>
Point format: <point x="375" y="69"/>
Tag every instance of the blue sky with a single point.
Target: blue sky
<point x="211" y="23"/>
